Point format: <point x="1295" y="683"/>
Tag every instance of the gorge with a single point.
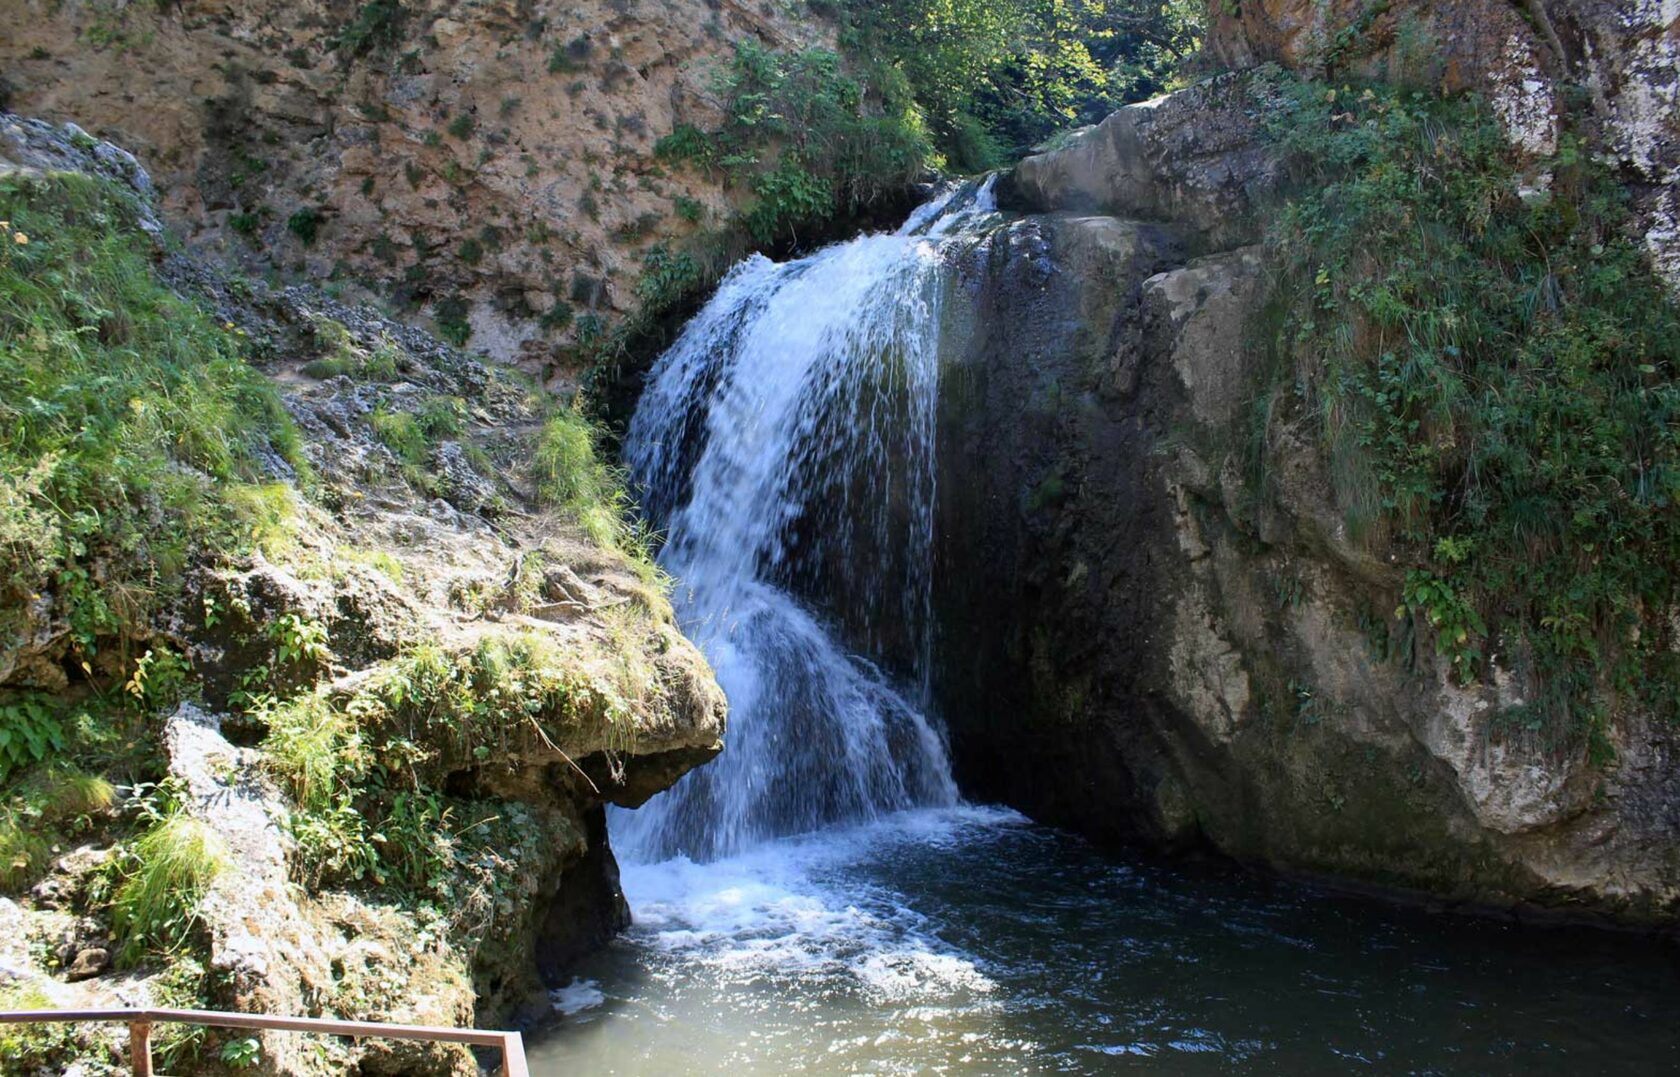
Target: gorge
<point x="1196" y="594"/>
<point x="852" y="934"/>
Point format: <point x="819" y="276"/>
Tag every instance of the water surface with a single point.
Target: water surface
<point x="970" y="941"/>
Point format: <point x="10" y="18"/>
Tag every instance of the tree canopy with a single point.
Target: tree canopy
<point x="997" y="76"/>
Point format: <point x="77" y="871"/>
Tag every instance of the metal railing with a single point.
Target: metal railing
<point x="140" y="1023"/>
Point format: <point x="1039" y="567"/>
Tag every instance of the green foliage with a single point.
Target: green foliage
<point x="996" y="76"/>
<point x="400" y="432"/>
<point x="451" y="321"/>
<point x="316" y="750"/>
<point x="558" y="317"/>
<point x="689" y="209"/>
<point x="331" y="366"/>
<point x="53" y="805"/>
<point x="461" y="127"/>
<point x="298" y="640"/>
<point x="364" y="772"/>
<point x="242" y="1054"/>
<point x="166" y="874"/>
<point x="305" y="224"/>
<point x="413" y="435"/>
<point x="565" y="463"/>
<point x="30" y="732"/>
<point x="571" y="476"/>
<point x="126" y="413"/>
<point x="23" y="851"/>
<point x="45" y="1048"/>
<point x="806" y="137"/>
<point x="378" y="24"/>
<point x="160" y="679"/>
<point x="341" y="355"/>
<point x="247" y="222"/>
<point x="1499" y="371"/>
<point x="787" y="196"/>
<point x="666" y="278"/>
<point x="441" y="416"/>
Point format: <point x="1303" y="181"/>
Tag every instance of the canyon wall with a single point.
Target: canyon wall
<point x="490" y="164"/>
<point x="1156" y="621"/>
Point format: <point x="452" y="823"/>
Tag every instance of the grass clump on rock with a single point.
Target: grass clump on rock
<point x="156" y="907"/>
<point x="571" y="477"/>
<point x="126" y="412"/>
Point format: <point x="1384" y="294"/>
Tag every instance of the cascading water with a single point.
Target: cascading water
<point x="785" y="441"/>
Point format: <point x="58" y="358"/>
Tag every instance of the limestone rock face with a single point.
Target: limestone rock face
<point x="499" y="155"/>
<point x="1626" y="53"/>
<point x="449" y="552"/>
<point x="1154" y="623"/>
<point x="1191" y="157"/>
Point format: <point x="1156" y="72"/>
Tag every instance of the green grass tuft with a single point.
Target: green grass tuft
<point x="125" y="411"/>
<point x="156" y="907"/>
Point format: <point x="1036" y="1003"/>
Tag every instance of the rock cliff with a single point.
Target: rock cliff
<point x="490" y="165"/>
<point x="1532" y="59"/>
<point x="1156" y="622"/>
<point x="409" y="696"/>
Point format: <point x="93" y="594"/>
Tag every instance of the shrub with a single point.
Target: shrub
<point x="315" y="750"/>
<point x="451" y="321"/>
<point x="305" y="224"/>
<point x="329" y="367"/>
<point x="667" y="277"/>
<point x="993" y="77"/>
<point x="571" y="56"/>
<point x="461" y="127"/>
<point x="378" y="24"/>
<point x="30" y="732"/>
<point x="400" y="432"/>
<point x="571" y="476"/>
<point x="1501" y="371"/>
<point x="805" y="136"/>
<point x="440" y="416"/>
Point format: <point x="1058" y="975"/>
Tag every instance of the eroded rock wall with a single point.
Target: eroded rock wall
<point x="497" y="154"/>
<point x="1529" y="58"/>
<point x="453" y="556"/>
<point x="1154" y="622"/>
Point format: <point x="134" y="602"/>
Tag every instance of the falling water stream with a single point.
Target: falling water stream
<point x="819" y="900"/>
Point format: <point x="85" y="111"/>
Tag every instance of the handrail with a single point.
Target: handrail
<point x="140" y="1022"/>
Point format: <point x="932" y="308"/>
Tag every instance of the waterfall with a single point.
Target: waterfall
<point x="785" y="444"/>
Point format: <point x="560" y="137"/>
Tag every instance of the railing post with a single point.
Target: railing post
<point x="513" y="1056"/>
<point x="140" y="1048"/>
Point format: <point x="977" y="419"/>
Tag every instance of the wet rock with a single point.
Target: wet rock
<point x="1140" y="642"/>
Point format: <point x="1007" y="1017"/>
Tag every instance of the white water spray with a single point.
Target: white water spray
<point x="786" y="443"/>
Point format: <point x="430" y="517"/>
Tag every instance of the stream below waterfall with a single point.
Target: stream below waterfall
<point x="970" y="941"/>
<point x="819" y="900"/>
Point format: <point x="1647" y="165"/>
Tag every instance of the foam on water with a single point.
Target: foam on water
<point x="781" y="911"/>
<point x="576" y="997"/>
